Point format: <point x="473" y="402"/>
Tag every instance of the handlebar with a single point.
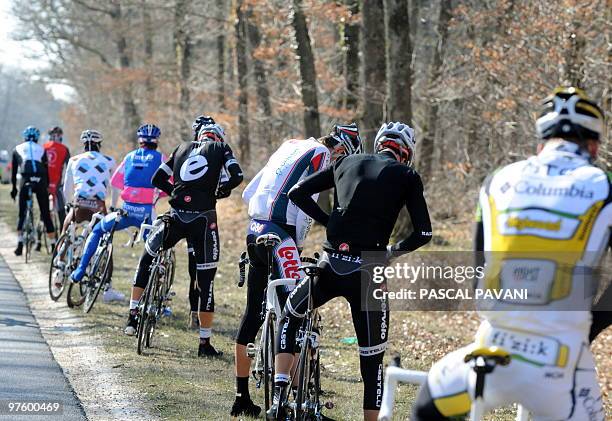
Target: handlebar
<point x="143" y="228"/>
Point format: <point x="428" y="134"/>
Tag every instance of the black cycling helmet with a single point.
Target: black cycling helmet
<point x="203" y="120"/>
<point x="56" y="134"/>
<point x="345" y="137"/>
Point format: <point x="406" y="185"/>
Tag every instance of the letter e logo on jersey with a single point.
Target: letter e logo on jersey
<point x="193" y="168"/>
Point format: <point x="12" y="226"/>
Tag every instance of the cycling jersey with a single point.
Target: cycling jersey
<point x="369" y="192"/>
<point x="29" y="160"/>
<point x="543" y="223"/>
<point x="196" y="169"/>
<point x="88" y="175"/>
<point x="57" y="157"/>
<point x="266" y="195"/>
<point x="134" y="174"/>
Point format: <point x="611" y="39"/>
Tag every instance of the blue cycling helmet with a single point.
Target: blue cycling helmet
<point x="148" y="133"/>
<point x="31" y="133"/>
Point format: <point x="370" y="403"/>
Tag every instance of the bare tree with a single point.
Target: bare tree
<point x="243" y="95"/>
<point x="220" y="41"/>
<point x="373" y="52"/>
<point x="351" y="56"/>
<point x="308" y="73"/>
<point x="182" y="50"/>
<point x="427" y="145"/>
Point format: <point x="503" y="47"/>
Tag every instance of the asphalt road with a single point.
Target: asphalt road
<point x="28" y="371"/>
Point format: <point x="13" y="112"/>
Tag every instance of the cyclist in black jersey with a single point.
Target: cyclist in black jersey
<point x="196" y="168"/>
<point x="31" y="163"/>
<point x="369" y="192"/>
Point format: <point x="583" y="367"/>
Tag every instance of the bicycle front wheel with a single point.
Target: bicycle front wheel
<point x="145" y="308"/>
<point x="268" y="357"/>
<point x="97" y="278"/>
<point x="75" y="296"/>
<point x="302" y="398"/>
<point x="57" y="269"/>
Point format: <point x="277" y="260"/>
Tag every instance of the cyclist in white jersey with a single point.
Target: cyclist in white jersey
<point x="271" y="211"/>
<point x="544" y="224"/>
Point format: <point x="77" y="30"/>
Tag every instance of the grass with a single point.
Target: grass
<point x="179" y="386"/>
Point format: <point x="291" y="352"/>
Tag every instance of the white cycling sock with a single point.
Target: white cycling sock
<point x="281" y="378"/>
<point x="134" y="304"/>
<point x="205" y="332"/>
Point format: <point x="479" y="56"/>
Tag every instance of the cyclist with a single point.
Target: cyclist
<point x="369" y="192"/>
<point x="86" y="180"/>
<point x="195" y="168"/>
<point x="550" y="217"/>
<point x="30" y="162"/>
<point x="58" y="155"/>
<point x="133" y="179"/>
<point x="271" y="212"/>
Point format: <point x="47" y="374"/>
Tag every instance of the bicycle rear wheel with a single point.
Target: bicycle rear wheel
<point x="57" y="268"/>
<point x="98" y="277"/>
<point x="301" y="413"/>
<point x="29" y="235"/>
<point x="268" y="357"/>
<point x="144" y="307"/>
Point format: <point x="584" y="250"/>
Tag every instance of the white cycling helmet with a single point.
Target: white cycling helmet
<point x="397" y="138"/>
<point x="91" y="136"/>
<point x="569" y="114"/>
<point x="213" y="132"/>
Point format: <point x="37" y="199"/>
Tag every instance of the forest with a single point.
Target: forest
<point x="468" y="75"/>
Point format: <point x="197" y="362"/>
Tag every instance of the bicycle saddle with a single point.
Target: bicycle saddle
<point x="492" y="355"/>
<point x="269" y="240"/>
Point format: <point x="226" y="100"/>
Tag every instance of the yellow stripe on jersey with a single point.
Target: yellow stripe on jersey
<point x="564" y="252"/>
<point x="452" y="406"/>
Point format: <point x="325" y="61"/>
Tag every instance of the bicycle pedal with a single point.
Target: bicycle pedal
<point x="250" y="350"/>
<point x="172" y="293"/>
<point x="329" y="405"/>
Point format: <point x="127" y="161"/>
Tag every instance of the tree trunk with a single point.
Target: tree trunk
<point x="182" y="51"/>
<point x="373" y="51"/>
<point x="308" y="74"/>
<point x="221" y="56"/>
<point x="427" y="146"/>
<point x="399" y="60"/>
<point x="131" y="119"/>
<point x="243" y="97"/>
<point x="261" y="79"/>
<point x="148" y="52"/>
<point x="351" y="58"/>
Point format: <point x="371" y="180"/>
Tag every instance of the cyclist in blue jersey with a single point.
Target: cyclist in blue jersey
<point x="133" y="180"/>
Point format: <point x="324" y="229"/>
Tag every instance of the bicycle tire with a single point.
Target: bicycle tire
<point x="158" y="300"/>
<point x="72" y="303"/>
<point x="143" y="307"/>
<point x="303" y="380"/>
<point x="29" y="228"/>
<point x="55" y="295"/>
<point x="99" y="277"/>
<point x="268" y="367"/>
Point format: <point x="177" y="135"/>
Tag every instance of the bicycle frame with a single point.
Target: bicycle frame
<point x="396" y="375"/>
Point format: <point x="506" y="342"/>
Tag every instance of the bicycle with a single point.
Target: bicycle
<point x="307" y="404"/>
<point x="156" y="295"/>
<point x="482" y="360"/>
<point x="66" y="256"/>
<point x="263" y="369"/>
<point x="97" y="274"/>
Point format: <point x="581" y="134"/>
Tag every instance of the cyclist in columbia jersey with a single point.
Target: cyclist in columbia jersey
<point x="58" y="155"/>
<point x="369" y="191"/>
<point x="195" y="168"/>
<point x="133" y="180"/>
<point x="271" y="211"/>
<point x="87" y="179"/>
<point x="543" y="224"/>
<point x="30" y="161"/>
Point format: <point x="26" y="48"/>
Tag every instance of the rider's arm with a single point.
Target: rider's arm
<point x="232" y="167"/>
<point x="44" y="161"/>
<point x="251" y="188"/>
<point x="301" y="194"/>
<point x="161" y="178"/>
<point x="419" y="215"/>
<point x="117" y="180"/>
<point x="15" y="168"/>
<point x="68" y="183"/>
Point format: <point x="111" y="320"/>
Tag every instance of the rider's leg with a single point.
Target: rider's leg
<point x="205" y="240"/>
<point x="371" y="322"/>
<point x="60" y="206"/>
<point x="194" y="293"/>
<point x="23" y="198"/>
<point x="93" y="240"/>
<point x="42" y="196"/>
